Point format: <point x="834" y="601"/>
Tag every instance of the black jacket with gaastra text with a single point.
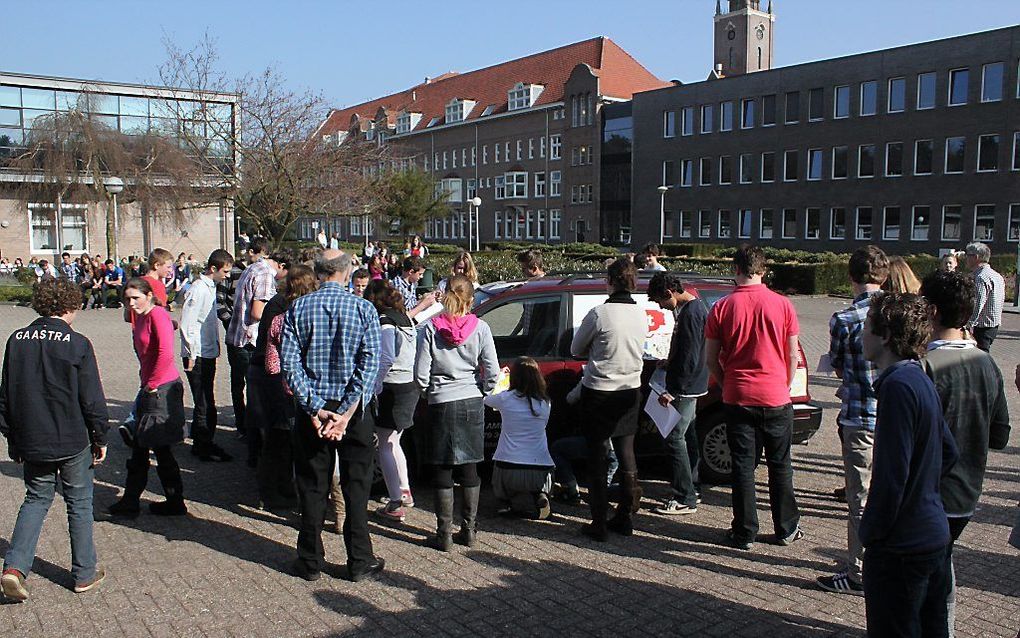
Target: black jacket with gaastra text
<point x="52" y="404"/>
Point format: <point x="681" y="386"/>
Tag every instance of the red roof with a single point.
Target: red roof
<point x="620" y="75"/>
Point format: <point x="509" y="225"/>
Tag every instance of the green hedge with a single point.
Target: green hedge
<point x="19" y="294"/>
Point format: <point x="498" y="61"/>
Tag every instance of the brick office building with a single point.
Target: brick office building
<point x="523" y="136"/>
<point x="915" y="148"/>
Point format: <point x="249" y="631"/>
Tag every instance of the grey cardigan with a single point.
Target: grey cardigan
<point x="445" y="372"/>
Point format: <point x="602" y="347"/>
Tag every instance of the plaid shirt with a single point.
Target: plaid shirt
<point x="989" y="297"/>
<point x="257" y="283"/>
<point x="330" y="348"/>
<point x="846" y="355"/>
<point x="71" y="271"/>
<point x="408" y="290"/>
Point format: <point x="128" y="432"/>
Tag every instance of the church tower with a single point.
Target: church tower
<point x="743" y="37"/>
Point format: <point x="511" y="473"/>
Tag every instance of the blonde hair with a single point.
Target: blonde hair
<point x="901" y="277"/>
<point x="459" y="296"/>
<point x="469" y="266"/>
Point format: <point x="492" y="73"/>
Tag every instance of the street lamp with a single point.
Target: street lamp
<point x="114" y="186"/>
<point x="474" y="231"/>
<point x="662" y="212"/>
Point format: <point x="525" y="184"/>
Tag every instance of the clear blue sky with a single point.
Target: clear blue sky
<point x="352" y="52"/>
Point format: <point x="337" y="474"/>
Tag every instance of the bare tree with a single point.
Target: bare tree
<point x="281" y="170"/>
<point x="69" y="155"/>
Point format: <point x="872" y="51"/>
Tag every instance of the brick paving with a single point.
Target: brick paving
<point x="219" y="571"/>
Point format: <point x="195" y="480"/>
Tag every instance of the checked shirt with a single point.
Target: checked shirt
<point x="846" y="353"/>
<point x="330" y="349"/>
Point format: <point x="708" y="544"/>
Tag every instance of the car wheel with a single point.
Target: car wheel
<point x="716" y="464"/>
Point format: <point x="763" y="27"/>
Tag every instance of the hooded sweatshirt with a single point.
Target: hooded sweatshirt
<point x="456" y="359"/>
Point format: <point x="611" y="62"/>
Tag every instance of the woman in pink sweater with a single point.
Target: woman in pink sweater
<point x="159" y="408"/>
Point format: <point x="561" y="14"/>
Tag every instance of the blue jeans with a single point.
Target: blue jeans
<point x="570" y="449"/>
<point x="905" y="594"/>
<point x="683" y="455"/>
<point x="748" y="430"/>
<point x="40" y="484"/>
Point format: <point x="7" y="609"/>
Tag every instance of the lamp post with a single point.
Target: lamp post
<point x="662" y="212"/>
<point x="474" y="231"/>
<point x="115" y="186"/>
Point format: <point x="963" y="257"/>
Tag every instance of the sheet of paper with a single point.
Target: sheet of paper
<point x="824" y="365"/>
<point x="423" y="317"/>
<point x="665" y="418"/>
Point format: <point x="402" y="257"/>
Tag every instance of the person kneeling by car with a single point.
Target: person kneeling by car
<point x="53" y="414"/>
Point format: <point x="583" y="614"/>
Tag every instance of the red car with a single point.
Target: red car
<point x="537" y="318"/>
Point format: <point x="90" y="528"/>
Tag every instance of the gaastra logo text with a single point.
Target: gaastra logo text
<point x="43" y="335"/>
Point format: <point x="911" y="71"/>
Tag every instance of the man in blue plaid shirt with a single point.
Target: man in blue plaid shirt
<point x="869" y="268"/>
<point x="330" y="358"/>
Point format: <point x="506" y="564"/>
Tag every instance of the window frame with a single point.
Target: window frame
<point x="724" y="213"/>
<point x="786" y="108"/>
<point x="747" y="113"/>
<point x="951" y="85"/>
<point x="846" y="163"/>
<point x="786" y="165"/>
<point x="942" y="229"/>
<point x="807" y="224"/>
<point x="857" y="223"/>
<point x="885" y="223"/>
<point x="723" y="126"/>
<point x="860" y="154"/>
<point x="1013" y="209"/>
<point x="741" y="213"/>
<point x="709" y="108"/>
<point x="913" y="222"/>
<point x="934" y="91"/>
<point x="793" y="225"/>
<point x="702" y="214"/>
<point x="668" y="124"/>
<point x="746" y="177"/>
<point x="832" y="220"/>
<point x="687" y="121"/>
<point x="1002" y="82"/>
<point x="835" y="102"/>
<point x="821" y="107"/>
<point x="762" y="171"/>
<point x="761" y="223"/>
<point x="690" y="225"/>
<point x="991" y="237"/>
<point x="963" y="163"/>
<point x="931" y="146"/>
<point x="874" y="107"/>
<point x="820" y="155"/>
<point x="998" y="145"/>
<point x="889" y="95"/>
<point x="888" y="148"/>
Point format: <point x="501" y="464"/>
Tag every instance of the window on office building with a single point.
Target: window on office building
<point x="704" y="223"/>
<point x="813" y="223"/>
<point x="952" y="220"/>
<point x="687" y="121"/>
<point x="866" y="160"/>
<point x="837" y="223"/>
<point x="816" y="104"/>
<point x="768" y="167"/>
<point x="920" y="221"/>
<point x="768" y="110"/>
<point x="814" y="164"/>
<point x="841" y="99"/>
<point x="789" y="223"/>
<point x="744" y="221"/>
<point x="686" y="172"/>
<point x="992" y="76"/>
<point x="725" y="169"/>
<point x="766" y="223"/>
<point x="840" y="162"/>
<point x="894" y="159"/>
<point x="790" y="166"/>
<point x="891" y="223"/>
<point x="554" y="147"/>
<point x="726" y="116"/>
<point x="707" y="118"/>
<point x="685" y="224"/>
<point x="668" y="173"/>
<point x="792" y="115"/>
<point x="1014" y="223"/>
<point x="923" y="155"/>
<point x="863" y="226"/>
<point x="747" y="113"/>
<point x="988" y="153"/>
<point x="705" y="177"/>
<point x="1016" y="151"/>
<point x="869" y="98"/>
<point x="724" y="225"/>
<point x="897" y="95"/>
<point x="540" y="184"/>
<point x="956" y="154"/>
<point x="555" y="179"/>
<point x="984" y="222"/>
<point x="554" y="224"/>
<point x="746" y="168"/>
<point x="926" y="91"/>
<point x="959" y="85"/>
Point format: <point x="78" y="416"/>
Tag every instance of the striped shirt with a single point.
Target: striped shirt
<point x="990" y="295"/>
<point x="846" y="355"/>
<point x="257" y="283"/>
<point x="330" y="348"/>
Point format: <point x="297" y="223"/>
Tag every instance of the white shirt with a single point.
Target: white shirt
<point x="200" y="337"/>
<point x="522" y="438"/>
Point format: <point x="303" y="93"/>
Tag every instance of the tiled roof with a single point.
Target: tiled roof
<point x="620" y="77"/>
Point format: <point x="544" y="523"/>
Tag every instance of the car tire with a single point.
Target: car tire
<point x="715" y="466"/>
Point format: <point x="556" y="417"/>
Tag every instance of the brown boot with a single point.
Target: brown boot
<point x="630" y="502"/>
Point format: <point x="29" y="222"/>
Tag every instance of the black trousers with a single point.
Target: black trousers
<point x="238" y="358"/>
<point x="905" y="594"/>
<point x="167" y="469"/>
<point x="314" y="460"/>
<point x="203" y="419"/>
<point x="985" y="336"/>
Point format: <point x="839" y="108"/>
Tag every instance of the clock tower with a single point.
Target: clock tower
<point x="743" y="37"/>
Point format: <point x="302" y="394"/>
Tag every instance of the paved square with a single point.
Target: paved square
<point x="219" y="571"/>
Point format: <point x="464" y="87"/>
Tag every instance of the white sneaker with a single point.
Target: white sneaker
<point x="673" y="507"/>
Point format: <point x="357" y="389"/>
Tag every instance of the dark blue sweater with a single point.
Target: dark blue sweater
<point x="913" y="449"/>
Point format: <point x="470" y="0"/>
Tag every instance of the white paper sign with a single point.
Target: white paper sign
<point x="665" y="418"/>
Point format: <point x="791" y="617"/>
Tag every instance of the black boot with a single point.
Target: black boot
<point x="630" y="499"/>
<point x="173" y="488"/>
<point x="137" y="476"/>
<point x="596" y="529"/>
<point x="469" y="511"/>
<point x="443" y="540"/>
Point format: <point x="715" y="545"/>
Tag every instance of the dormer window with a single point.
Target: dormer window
<point x="458" y="110"/>
<point x="523" y="96"/>
<point x="406" y="122"/>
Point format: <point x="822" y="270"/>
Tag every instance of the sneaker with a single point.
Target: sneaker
<point x="168" y="508"/>
<point x="544" y="508"/>
<point x="81" y="588"/>
<point x="13" y="584"/>
<point x="840" y="584"/>
<point x="738" y="543"/>
<point x="213" y="453"/>
<point x="406" y="499"/>
<point x="672" y="507"/>
<point x="126" y="434"/>
<point x="394" y="511"/>
<point x="792" y="538"/>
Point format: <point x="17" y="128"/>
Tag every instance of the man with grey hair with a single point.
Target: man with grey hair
<point x="329" y="355"/>
<point x="990" y="295"/>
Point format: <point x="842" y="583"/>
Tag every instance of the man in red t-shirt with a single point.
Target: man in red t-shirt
<point x="751" y="349"/>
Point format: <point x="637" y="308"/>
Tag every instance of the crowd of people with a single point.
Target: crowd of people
<point x="328" y="362"/>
